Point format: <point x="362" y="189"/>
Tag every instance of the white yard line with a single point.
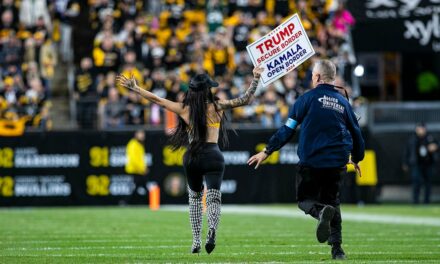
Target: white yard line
<point x="279" y="253"/>
<point x="81" y="248"/>
<point x="290" y="252"/>
<point x="296" y="213"/>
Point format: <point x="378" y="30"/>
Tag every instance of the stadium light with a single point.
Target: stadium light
<point x="359" y="70"/>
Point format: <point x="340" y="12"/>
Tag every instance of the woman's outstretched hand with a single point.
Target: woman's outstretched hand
<point x="257" y="159"/>
<point x="258" y="71"/>
<point x="130" y="84"/>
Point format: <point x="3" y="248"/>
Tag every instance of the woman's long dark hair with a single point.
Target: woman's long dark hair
<point x="193" y="136"/>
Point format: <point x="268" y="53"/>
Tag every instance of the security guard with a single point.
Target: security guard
<point x="329" y="133"/>
<point x="421" y="156"/>
<point x="136" y="164"/>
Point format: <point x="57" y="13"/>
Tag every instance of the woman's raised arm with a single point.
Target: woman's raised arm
<point x="132" y="85"/>
<point x="247" y="97"/>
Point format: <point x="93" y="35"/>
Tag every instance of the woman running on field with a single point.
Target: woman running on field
<point x="201" y="116"/>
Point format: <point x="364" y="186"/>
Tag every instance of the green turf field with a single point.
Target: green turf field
<point x="246" y="234"/>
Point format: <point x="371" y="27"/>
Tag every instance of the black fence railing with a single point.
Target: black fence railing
<point x="402" y="116"/>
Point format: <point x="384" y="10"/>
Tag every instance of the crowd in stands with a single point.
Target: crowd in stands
<point x="27" y="62"/>
<point x="162" y="43"/>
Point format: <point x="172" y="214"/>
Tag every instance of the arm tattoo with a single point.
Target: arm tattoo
<point x="242" y="100"/>
<point x="148" y="95"/>
<point x="144" y="93"/>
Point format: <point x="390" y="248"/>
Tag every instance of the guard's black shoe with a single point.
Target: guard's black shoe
<point x="337" y="252"/>
<point x="196" y="250"/>
<point x="323" y="228"/>
<point x="210" y="241"/>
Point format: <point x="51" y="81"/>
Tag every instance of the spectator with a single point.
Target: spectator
<point x="420" y="157"/>
<point x="281" y="8"/>
<point x="106" y="56"/>
<point x="29" y="50"/>
<point x="173" y="54"/>
<point x="33" y="10"/>
<point x="8" y="24"/>
<point x="34" y="97"/>
<point x="135" y="109"/>
<point x="129" y="9"/>
<point x="241" y="33"/>
<point x="11" y="51"/>
<point x="85" y="94"/>
<point x="156" y="55"/>
<point x="48" y="62"/>
<point x="346" y="64"/>
<point x="105" y="84"/>
<point x="43" y="120"/>
<point x="114" y="110"/>
<point x="242" y="69"/>
<point x="173" y="12"/>
<point x="220" y="56"/>
<point x="67" y="11"/>
<point x="31" y="72"/>
<point x="9" y="5"/>
<point x="214" y="15"/>
<point x="293" y="89"/>
<point x="271" y="109"/>
<point x="130" y="69"/>
<point x="84" y="79"/>
<point x="126" y="32"/>
<point x="10" y="93"/>
<point x="342" y="20"/>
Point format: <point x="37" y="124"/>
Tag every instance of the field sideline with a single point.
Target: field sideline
<point x="372" y="234"/>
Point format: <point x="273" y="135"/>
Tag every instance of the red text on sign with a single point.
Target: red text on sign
<point x="276" y="39"/>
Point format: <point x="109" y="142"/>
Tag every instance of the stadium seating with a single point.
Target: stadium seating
<point x="27" y="64"/>
<point x="164" y="43"/>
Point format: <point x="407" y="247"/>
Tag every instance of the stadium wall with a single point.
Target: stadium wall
<point x="87" y="168"/>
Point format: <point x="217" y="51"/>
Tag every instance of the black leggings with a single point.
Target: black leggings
<point x="316" y="188"/>
<point x="207" y="162"/>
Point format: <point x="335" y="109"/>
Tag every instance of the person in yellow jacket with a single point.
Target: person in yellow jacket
<point x="136" y="164"/>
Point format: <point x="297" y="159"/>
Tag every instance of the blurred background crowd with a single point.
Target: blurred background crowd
<point x="27" y="62"/>
<point x="162" y="44"/>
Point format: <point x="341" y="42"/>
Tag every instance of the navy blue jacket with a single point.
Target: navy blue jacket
<point x="329" y="129"/>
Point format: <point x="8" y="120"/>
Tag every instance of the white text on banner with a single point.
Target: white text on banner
<point x="281" y="50"/>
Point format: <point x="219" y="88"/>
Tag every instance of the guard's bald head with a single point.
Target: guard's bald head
<point x="324" y="71"/>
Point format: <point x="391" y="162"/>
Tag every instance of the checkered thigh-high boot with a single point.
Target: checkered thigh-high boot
<point x="213" y="206"/>
<point x="195" y="218"/>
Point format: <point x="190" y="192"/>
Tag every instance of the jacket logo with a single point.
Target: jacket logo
<point x="331" y="103"/>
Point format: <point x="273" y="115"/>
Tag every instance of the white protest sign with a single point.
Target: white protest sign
<point x="281" y="50"/>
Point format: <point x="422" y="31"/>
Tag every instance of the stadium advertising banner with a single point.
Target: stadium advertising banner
<point x="88" y="168"/>
<point x="396" y="25"/>
<point x="281" y="50"/>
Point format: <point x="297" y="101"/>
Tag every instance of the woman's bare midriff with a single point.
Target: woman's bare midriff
<point x="212" y="117"/>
